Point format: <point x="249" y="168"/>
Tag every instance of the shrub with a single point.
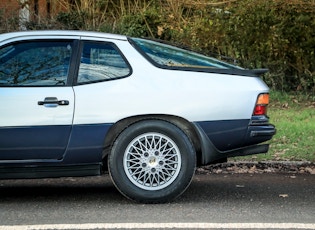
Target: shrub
<point x="7" y="24"/>
<point x="274" y="34"/>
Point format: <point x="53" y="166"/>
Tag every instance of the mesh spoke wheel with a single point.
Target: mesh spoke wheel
<point x="152" y="161"/>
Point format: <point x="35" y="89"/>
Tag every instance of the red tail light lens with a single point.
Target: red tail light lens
<point x="260" y="110"/>
<point x="261" y="105"/>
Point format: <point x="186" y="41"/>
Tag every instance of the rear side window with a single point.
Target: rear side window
<point x="101" y="61"/>
<point x="167" y="56"/>
<point x="35" y="63"/>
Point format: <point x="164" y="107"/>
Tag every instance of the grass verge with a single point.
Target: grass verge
<point x="294" y="117"/>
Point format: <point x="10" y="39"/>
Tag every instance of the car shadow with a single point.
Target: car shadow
<point x="212" y="188"/>
<point x="60" y="189"/>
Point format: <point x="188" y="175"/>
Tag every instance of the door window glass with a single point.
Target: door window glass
<point x="35" y="63"/>
<point x="101" y="61"/>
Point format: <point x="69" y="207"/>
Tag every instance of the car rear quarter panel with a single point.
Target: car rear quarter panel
<point x="195" y="96"/>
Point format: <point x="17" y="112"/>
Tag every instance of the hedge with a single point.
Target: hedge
<point x="274" y="34"/>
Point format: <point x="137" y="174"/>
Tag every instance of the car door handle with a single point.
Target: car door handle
<point x="53" y="101"/>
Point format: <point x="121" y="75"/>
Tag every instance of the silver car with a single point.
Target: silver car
<point x="76" y="103"/>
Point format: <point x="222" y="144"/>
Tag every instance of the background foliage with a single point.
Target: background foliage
<point x="274" y="34"/>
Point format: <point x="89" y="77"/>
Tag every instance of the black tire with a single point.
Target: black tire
<point x="152" y="161"/>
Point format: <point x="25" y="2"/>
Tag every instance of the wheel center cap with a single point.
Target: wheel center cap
<point x="152" y="161"/>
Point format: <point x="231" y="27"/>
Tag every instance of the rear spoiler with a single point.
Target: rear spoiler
<point x="259" y="71"/>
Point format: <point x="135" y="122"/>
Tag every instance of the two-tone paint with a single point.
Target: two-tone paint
<point x="74" y="138"/>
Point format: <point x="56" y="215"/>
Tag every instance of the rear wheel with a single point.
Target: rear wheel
<point x="152" y="161"/>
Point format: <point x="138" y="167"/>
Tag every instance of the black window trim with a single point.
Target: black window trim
<point x="73" y="41"/>
<point x="239" y="72"/>
<point x="78" y="62"/>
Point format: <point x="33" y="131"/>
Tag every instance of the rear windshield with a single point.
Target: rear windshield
<point x="170" y="56"/>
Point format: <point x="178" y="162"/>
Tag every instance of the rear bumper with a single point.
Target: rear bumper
<point x="255" y="134"/>
<point x="263" y="133"/>
<point x="259" y="133"/>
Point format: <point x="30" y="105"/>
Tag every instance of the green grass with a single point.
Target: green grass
<point x="294" y="117"/>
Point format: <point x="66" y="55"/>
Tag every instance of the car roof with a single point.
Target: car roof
<point x="61" y="33"/>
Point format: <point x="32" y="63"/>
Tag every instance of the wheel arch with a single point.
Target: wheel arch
<point x="123" y="124"/>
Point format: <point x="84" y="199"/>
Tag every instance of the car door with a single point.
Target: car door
<point x="36" y="99"/>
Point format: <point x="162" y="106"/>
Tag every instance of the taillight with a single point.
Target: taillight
<point x="261" y="104"/>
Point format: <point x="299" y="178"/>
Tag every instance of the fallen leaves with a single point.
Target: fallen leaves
<point x="283" y="195"/>
<point x="240" y="186"/>
<point x="259" y="167"/>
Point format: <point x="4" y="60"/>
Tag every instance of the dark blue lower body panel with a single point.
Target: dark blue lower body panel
<point x="33" y="142"/>
<point x="51" y="151"/>
<point x="86" y="143"/>
<point x="81" y="146"/>
<point x="59" y="144"/>
<point x="225" y="135"/>
<point x="222" y="139"/>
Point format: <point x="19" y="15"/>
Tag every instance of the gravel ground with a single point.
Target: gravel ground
<point x="294" y="167"/>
